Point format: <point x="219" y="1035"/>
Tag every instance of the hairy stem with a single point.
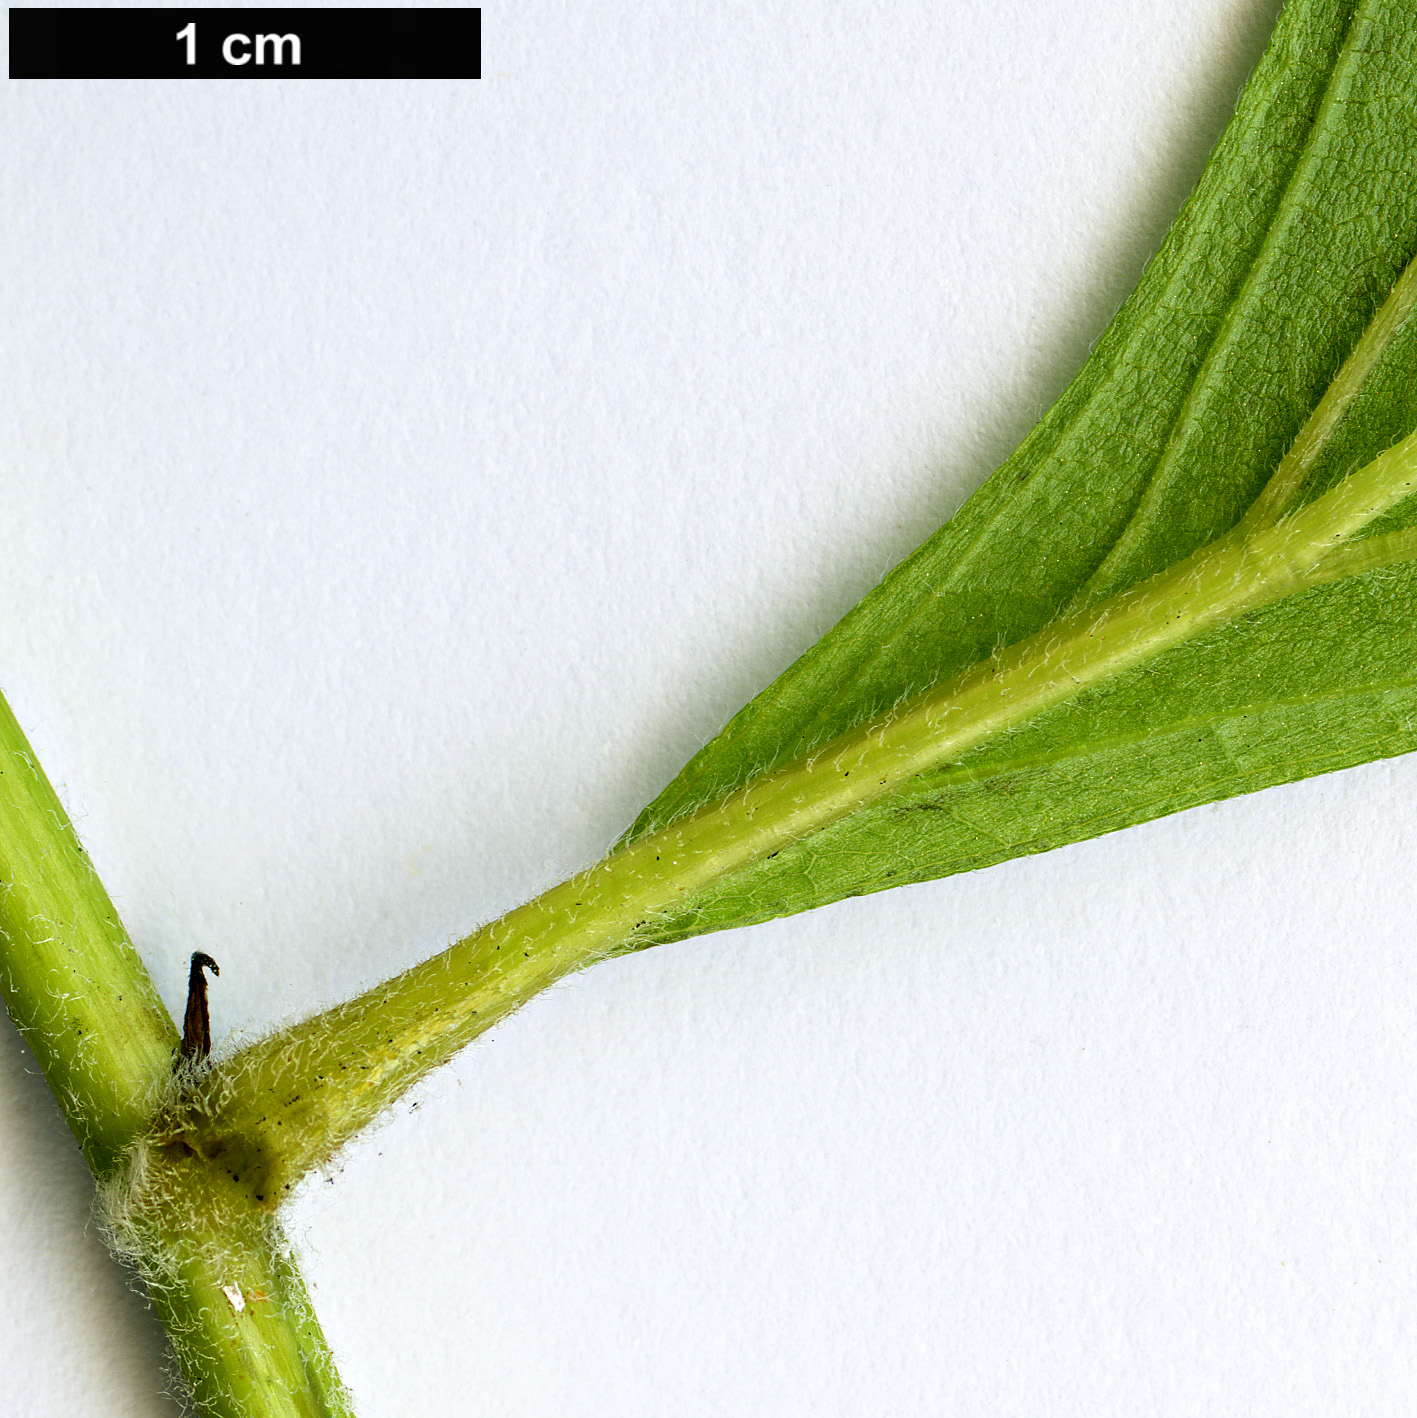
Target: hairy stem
<point x="284" y="1105"/>
<point x="83" y="1002"/>
<point x="70" y="977"/>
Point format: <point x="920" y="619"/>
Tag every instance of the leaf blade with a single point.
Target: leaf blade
<point x="1266" y="281"/>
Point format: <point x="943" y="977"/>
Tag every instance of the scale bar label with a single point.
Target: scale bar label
<point x="245" y="44"/>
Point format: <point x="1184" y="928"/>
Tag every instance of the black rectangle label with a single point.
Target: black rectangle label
<point x="245" y="44"/>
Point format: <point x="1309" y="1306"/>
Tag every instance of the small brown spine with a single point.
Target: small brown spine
<point x="197" y="1023"/>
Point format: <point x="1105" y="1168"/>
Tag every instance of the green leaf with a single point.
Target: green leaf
<point x="1297" y="231"/>
<point x="1152" y="604"/>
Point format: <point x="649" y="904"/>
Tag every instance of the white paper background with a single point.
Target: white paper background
<point x="405" y="479"/>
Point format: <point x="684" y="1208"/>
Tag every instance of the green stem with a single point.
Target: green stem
<point x="69" y="974"/>
<point x="220" y="1275"/>
<point x="285" y="1104"/>
<point x="83" y="1002"/>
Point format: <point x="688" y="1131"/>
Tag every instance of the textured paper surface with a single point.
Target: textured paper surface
<point x="405" y="479"/>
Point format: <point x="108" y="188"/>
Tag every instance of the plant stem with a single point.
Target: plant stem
<point x="85" y="1005"/>
<point x="70" y="977"/>
<point x="220" y="1275"/>
<point x="285" y="1104"/>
